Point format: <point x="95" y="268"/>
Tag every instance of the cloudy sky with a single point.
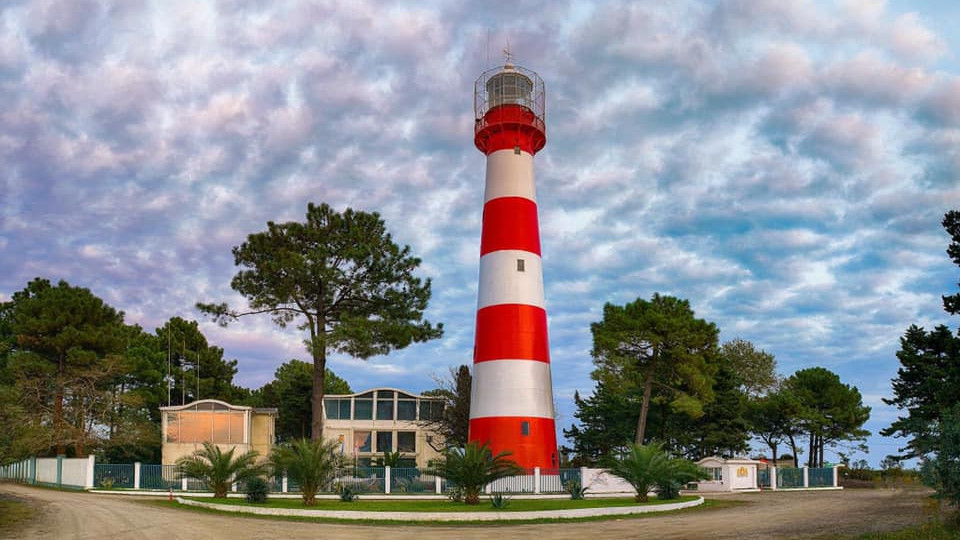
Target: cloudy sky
<point x="784" y="165"/>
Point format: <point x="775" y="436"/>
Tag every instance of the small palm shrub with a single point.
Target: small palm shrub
<point x="388" y="459"/>
<point x="499" y="501"/>
<point x="348" y="494"/>
<point x="647" y="466"/>
<point x="218" y="469"/>
<point x="668" y="490"/>
<point x="576" y="491"/>
<point x="311" y="464"/>
<point x="256" y="490"/>
<point x="473" y="467"/>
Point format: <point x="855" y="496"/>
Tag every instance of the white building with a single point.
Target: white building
<point x="186" y="427"/>
<point x="729" y="474"/>
<point x="372" y="422"/>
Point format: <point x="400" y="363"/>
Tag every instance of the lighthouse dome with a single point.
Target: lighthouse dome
<point x="509" y="86"/>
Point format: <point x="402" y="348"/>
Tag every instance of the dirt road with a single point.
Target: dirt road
<point x="67" y="515"/>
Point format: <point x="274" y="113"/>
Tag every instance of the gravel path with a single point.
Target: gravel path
<point x="69" y="515"/>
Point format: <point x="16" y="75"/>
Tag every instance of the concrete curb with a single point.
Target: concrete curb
<point x="446" y="516"/>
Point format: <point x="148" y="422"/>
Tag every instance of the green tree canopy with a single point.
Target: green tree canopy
<point x="290" y="391"/>
<point x="453" y="424"/>
<point x="755" y="369"/>
<point x="951" y="223"/>
<point x="829" y="410"/>
<point x="65" y="350"/>
<point x="660" y="347"/>
<point x="342" y="279"/>
<point x="928" y="381"/>
<point x="607" y="424"/>
<point x="773" y="418"/>
<point x="927" y="384"/>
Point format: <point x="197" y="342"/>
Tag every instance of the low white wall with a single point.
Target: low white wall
<point x="74" y="472"/>
<point x="600" y="481"/>
<point x="47" y="470"/>
<point x="712" y="486"/>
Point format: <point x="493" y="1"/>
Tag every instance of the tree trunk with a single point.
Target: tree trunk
<point x="796" y="455"/>
<point x="318" y="347"/>
<point x="821" y="452"/>
<point x="645" y="407"/>
<point x="58" y="407"/>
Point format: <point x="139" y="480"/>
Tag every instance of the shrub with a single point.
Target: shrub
<point x="648" y="466"/>
<point x="311" y="464"/>
<point x="473" y="467"/>
<point x="668" y="490"/>
<point x="218" y="469"/>
<point x="348" y="494"/>
<point x="256" y="489"/>
<point x="576" y="491"/>
<point x="499" y="501"/>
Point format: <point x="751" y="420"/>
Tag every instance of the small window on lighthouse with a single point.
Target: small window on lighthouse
<point x="525" y="428"/>
<point x="516" y="150"/>
<point x="520" y="265"/>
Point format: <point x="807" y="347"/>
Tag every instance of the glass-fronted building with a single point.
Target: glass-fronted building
<point x="369" y="423"/>
<point x="186" y="427"/>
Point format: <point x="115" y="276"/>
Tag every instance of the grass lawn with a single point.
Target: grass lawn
<point x="374" y="505"/>
<point x="12" y="512"/>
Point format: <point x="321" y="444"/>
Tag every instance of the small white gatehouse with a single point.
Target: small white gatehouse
<point x="729" y="474"/>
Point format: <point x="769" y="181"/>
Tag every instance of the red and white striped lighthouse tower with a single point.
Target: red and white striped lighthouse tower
<point x="511" y="404"/>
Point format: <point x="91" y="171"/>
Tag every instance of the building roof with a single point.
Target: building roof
<point x="385" y="388"/>
<point x="212" y="404"/>
<point x="734" y="461"/>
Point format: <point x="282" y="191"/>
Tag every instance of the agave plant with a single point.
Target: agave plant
<point x="310" y="464"/>
<point x="646" y="466"/>
<point x="220" y="468"/>
<point x="473" y="467"/>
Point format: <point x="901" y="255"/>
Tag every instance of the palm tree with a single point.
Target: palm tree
<point x="219" y="469"/>
<point x="310" y="464"/>
<point x="646" y="466"/>
<point x="473" y="467"/>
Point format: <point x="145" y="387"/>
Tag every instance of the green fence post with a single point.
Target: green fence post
<point x="60" y="470"/>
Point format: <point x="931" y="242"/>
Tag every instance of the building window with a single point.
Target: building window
<point x="406" y="409"/>
<point x="431" y="409"/>
<point x="384" y="441"/>
<point x="520" y="265"/>
<point x="207" y="422"/>
<point x="363" y="407"/>
<point x="516" y="150"/>
<point x="525" y="428"/>
<point x="716" y="473"/>
<point x="337" y="409"/>
<point x="385" y="405"/>
<point x="406" y="441"/>
<point x="361" y="441"/>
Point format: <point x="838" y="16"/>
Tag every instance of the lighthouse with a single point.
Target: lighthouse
<point x="511" y="404"/>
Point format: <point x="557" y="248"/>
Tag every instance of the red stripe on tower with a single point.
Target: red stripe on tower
<point x="512" y="397"/>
